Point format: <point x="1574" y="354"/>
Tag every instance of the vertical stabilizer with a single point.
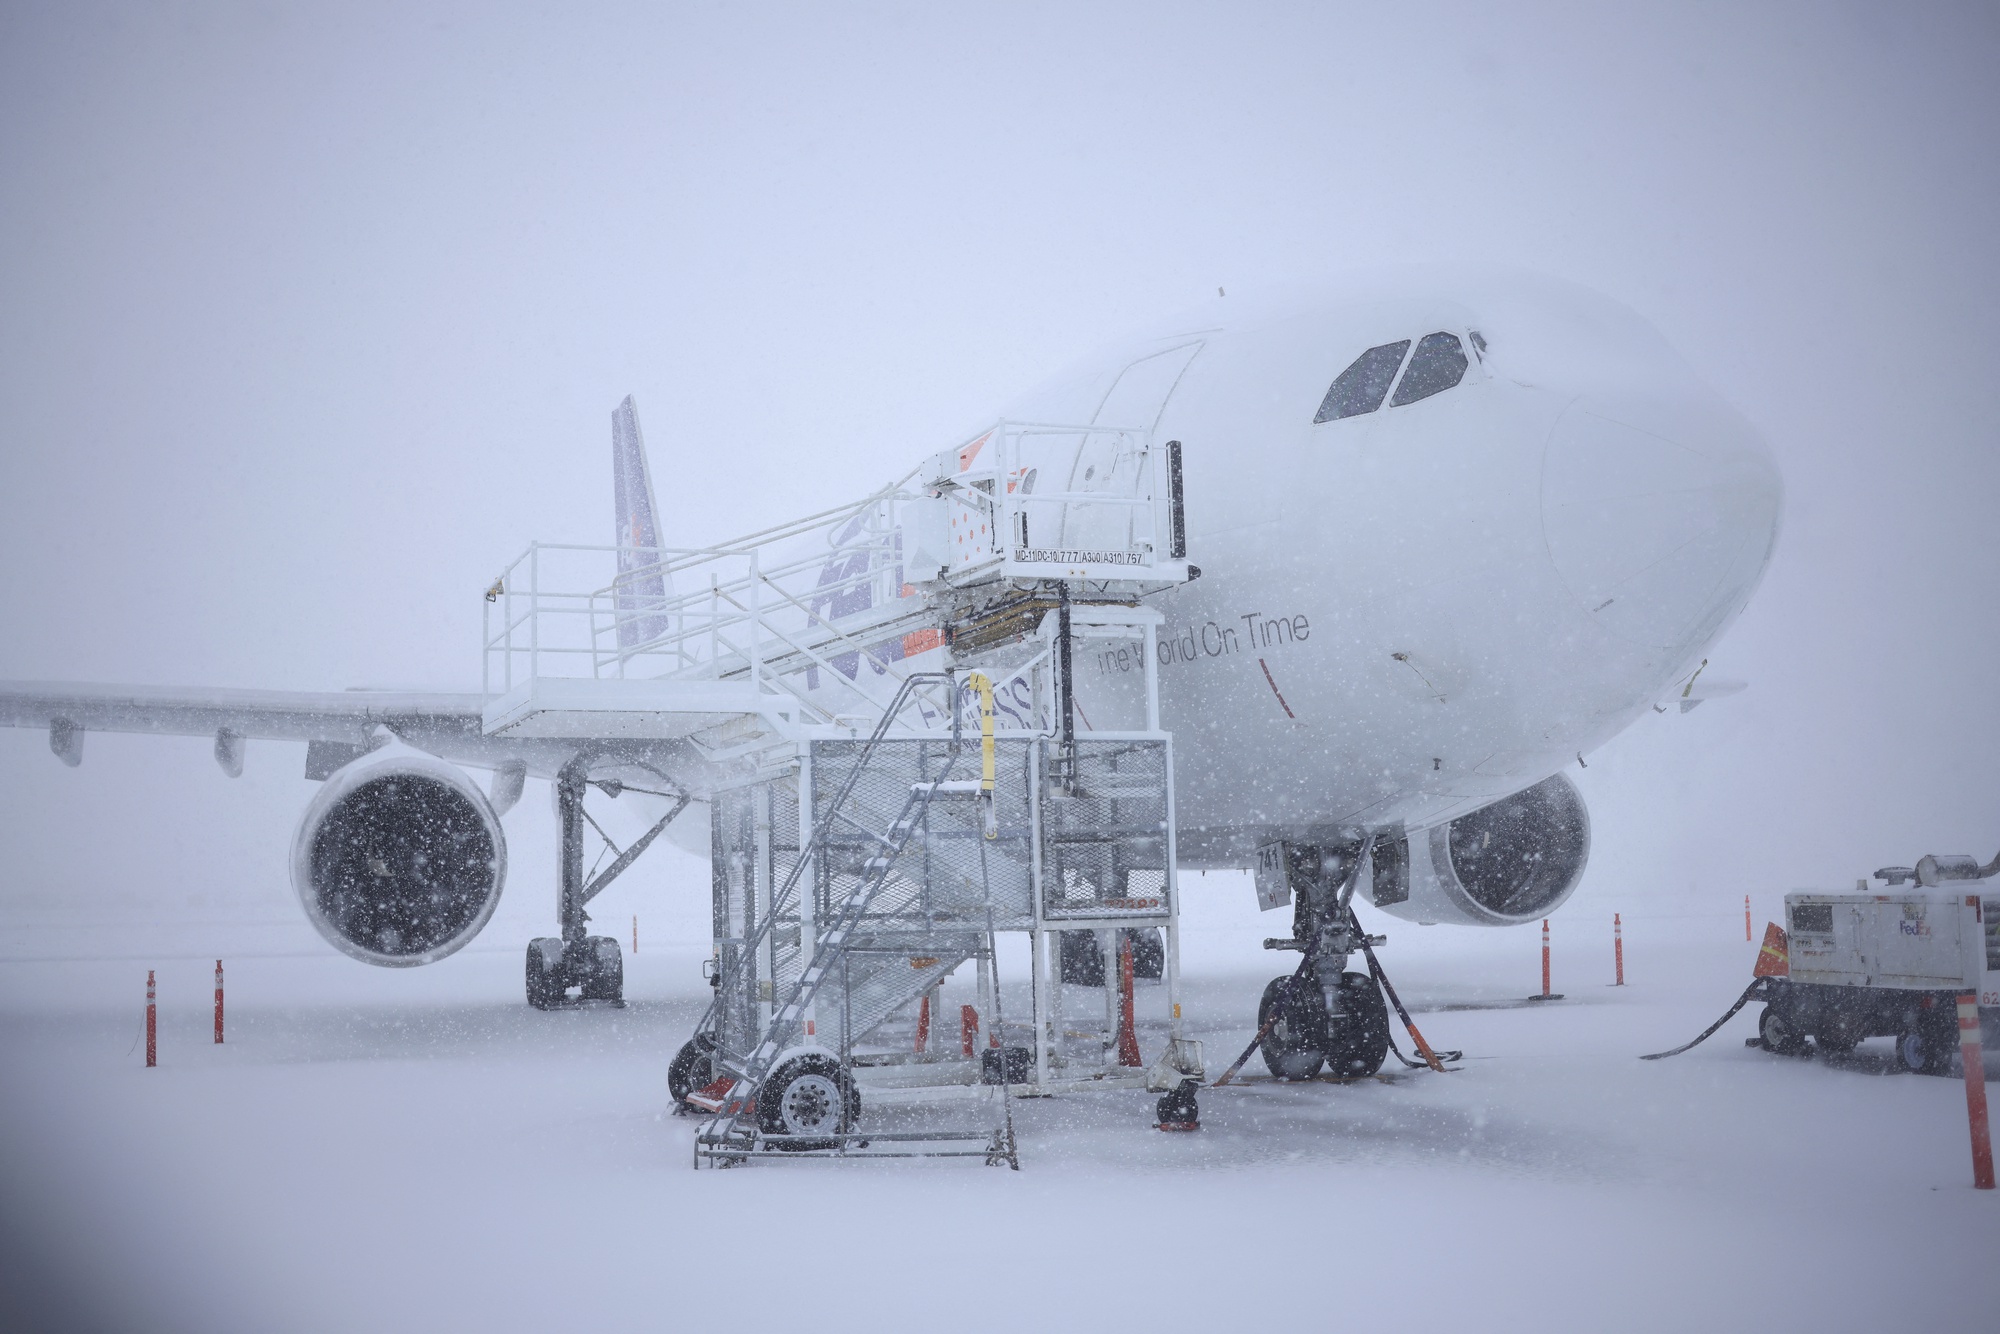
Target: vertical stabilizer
<point x="642" y="580"/>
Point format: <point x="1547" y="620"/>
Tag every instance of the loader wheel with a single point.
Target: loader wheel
<point x="808" y="1096"/>
<point x="1295" y="1046"/>
<point x="1774" y="1027"/>
<point x="692" y="1068"/>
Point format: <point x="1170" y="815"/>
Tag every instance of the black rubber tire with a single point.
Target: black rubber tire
<point x="605" y="980"/>
<point x="1359" y="1044"/>
<point x="1295" y="1046"/>
<point x="804" y="1096"/>
<point x="544" y="985"/>
<point x="693" y="1067"/>
<point x="1774" y="1028"/>
<point x="1079" y="960"/>
<point x="1925" y="1045"/>
<point x="1149" y="952"/>
<point x="1179" y="1110"/>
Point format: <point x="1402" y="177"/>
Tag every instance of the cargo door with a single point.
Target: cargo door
<point x="1850" y="941"/>
<point x="1110" y="461"/>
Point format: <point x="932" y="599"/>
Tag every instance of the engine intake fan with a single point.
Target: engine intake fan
<point x="400" y="859"/>
<point x="1502" y="865"/>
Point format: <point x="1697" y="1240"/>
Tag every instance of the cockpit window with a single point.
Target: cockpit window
<point x="1361" y="386"/>
<point x="1438" y="365"/>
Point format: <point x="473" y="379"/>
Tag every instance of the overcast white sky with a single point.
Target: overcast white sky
<point x="311" y="317"/>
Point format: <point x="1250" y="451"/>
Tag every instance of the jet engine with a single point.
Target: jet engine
<point x="1502" y="865"/>
<point x="400" y="859"/>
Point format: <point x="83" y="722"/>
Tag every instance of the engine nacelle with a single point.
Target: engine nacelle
<point x="400" y="859"/>
<point x="1502" y="865"/>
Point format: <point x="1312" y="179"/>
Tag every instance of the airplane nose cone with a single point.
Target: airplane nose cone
<point x="1659" y="518"/>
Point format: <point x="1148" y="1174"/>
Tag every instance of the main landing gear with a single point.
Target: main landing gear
<point x="591" y="966"/>
<point x="596" y="971"/>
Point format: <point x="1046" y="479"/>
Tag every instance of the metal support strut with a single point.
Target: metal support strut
<point x="570" y="916"/>
<point x="593" y="966"/>
<point x="1065" y="697"/>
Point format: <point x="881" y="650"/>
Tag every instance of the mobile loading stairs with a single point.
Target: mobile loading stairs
<point x="827" y="688"/>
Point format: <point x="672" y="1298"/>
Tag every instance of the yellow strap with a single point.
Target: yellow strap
<point x="979" y="683"/>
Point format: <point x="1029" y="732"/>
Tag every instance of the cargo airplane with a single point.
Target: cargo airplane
<point x="1454" y="531"/>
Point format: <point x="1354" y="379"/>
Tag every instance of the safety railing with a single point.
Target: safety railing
<point x="1038" y="500"/>
<point x="821" y="598"/>
<point x="823" y="608"/>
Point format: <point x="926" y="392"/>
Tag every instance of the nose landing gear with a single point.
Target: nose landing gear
<point x="1302" y="1035"/>
<point x="1322" y="1016"/>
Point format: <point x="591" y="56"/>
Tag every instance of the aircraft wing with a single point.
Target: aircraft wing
<point x="340" y="723"/>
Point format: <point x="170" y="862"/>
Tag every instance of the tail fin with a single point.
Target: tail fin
<point x="642" y="580"/>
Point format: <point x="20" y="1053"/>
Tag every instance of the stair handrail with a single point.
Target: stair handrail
<point x="786" y="891"/>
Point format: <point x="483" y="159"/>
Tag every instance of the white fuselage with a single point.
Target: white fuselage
<point x="1412" y="612"/>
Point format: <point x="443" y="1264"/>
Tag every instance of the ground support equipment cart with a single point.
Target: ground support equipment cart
<point x="1893" y="964"/>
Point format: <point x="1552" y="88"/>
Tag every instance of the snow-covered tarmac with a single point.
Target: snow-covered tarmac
<point x="419" y="1151"/>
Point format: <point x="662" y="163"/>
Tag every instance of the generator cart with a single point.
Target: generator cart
<point x="1862" y="965"/>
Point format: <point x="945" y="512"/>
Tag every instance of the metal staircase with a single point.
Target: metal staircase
<point x="832" y="942"/>
<point x="883" y="921"/>
<point x="809" y="684"/>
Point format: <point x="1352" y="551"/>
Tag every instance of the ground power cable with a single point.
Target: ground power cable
<point x="1757" y="988"/>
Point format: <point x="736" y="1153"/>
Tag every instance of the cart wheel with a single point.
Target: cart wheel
<point x="1775" y="1029"/>
<point x="1178" y="1110"/>
<point x="606" y="978"/>
<point x="807" y="1096"/>
<point x="1925" y="1048"/>
<point x="1295" y="1046"/>
<point x="693" y="1067"/>
<point x="545" y="985"/>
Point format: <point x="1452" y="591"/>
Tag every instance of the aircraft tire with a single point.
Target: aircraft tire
<point x="605" y="978"/>
<point x="1295" y="1046"/>
<point x="1360" y="1042"/>
<point x="1079" y="959"/>
<point x="545" y="986"/>
<point x="1149" y="952"/>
